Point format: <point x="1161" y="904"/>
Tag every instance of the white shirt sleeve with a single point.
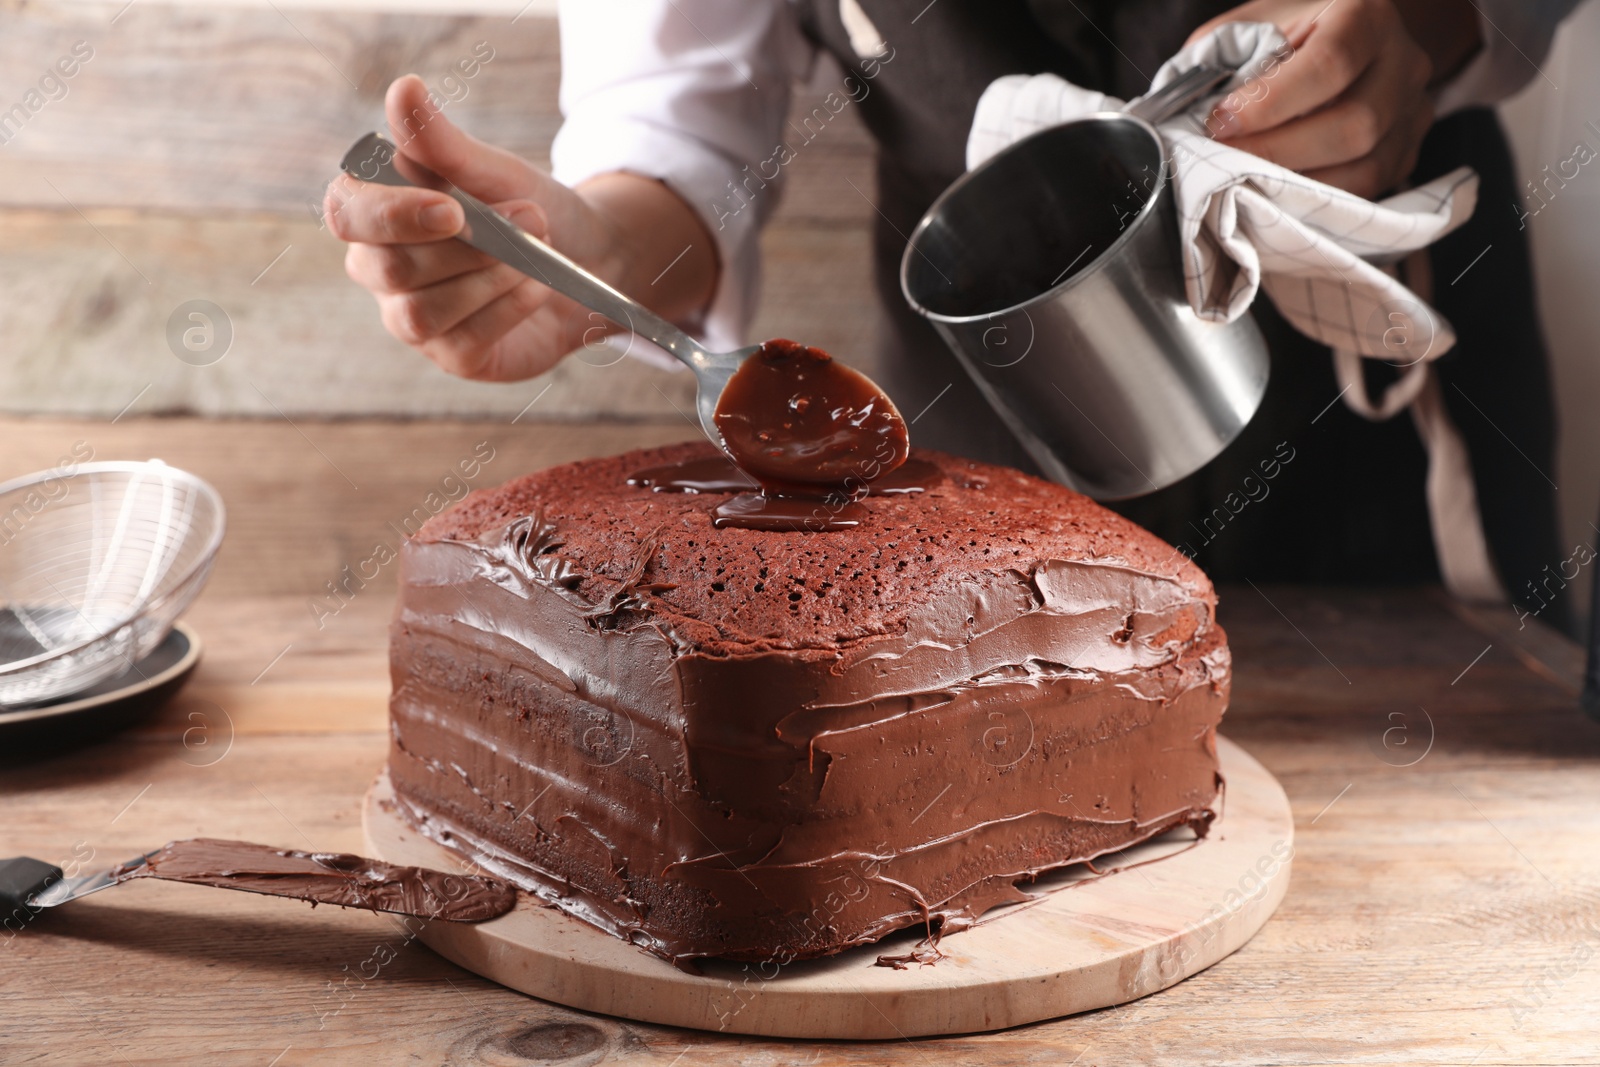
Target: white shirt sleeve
<point x="1516" y="39"/>
<point x="692" y="93"/>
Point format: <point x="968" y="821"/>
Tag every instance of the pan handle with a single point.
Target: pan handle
<point x="1178" y="94"/>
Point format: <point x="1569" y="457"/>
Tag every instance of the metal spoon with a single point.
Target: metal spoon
<point x="375" y="158"/>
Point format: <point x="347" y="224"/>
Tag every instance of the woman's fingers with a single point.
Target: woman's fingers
<point x="423" y="133"/>
<point x="397" y="268"/>
<point x="402" y="268"/>
<point x="450" y="300"/>
<point x="1386" y="97"/>
<point x="469" y="313"/>
<point x="1336" y="50"/>
<point x="476" y="317"/>
<point x="1382" y="169"/>
<point x="418" y="316"/>
<point x="475" y="348"/>
<point x="386" y="214"/>
<point x="425" y="289"/>
<point x="1348" y="107"/>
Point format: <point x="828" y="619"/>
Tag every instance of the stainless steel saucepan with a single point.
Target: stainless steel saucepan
<point x="1053" y="272"/>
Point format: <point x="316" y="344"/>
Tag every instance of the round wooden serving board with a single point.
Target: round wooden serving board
<point x="1095" y="942"/>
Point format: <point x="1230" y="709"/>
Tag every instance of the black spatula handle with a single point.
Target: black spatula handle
<point x="20" y="878"/>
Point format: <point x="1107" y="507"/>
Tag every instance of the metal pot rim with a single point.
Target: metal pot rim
<point x="1093" y="266"/>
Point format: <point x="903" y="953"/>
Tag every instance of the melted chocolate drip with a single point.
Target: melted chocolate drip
<point x="806" y="429"/>
<point x="758" y="511"/>
<point x="765" y="511"/>
<point x="711" y="474"/>
<point x="912" y="476"/>
<point x="717" y="474"/>
<point x="327" y="878"/>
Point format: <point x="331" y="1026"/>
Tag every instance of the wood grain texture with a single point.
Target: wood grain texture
<point x="202" y="109"/>
<point x="88" y="332"/>
<point x="181" y="165"/>
<point x="1445" y="905"/>
<point x="87" y="300"/>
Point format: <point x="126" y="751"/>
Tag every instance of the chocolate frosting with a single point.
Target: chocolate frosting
<point x="768" y="745"/>
<point x="326" y="878"/>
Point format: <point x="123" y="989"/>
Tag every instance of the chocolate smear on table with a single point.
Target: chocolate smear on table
<point x="327" y="878"/>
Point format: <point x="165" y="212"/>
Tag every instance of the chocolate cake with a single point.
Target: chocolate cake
<point x="772" y="745"/>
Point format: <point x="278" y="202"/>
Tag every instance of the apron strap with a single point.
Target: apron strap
<point x="1458" y="538"/>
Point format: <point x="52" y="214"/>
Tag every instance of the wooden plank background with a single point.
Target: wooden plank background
<point x="182" y="162"/>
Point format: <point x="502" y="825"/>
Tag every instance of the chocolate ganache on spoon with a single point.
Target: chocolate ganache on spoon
<point x="811" y="432"/>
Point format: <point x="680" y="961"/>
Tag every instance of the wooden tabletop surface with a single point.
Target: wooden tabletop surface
<point x="1444" y="908"/>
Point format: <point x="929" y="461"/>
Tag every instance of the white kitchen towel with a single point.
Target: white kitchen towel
<point x="1321" y="254"/>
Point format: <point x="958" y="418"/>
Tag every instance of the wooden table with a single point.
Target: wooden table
<point x="1445" y="906"/>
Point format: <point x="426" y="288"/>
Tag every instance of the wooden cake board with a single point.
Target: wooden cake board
<point x="1094" y="942"/>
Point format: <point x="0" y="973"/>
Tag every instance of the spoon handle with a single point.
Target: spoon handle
<point x="374" y="158"/>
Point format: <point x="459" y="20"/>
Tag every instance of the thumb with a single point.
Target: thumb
<point x="418" y="126"/>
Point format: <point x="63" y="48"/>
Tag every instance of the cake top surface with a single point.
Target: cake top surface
<point x="732" y="590"/>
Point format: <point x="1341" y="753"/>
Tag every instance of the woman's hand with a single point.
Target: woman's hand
<point x="1349" y="107"/>
<point x="473" y="315"/>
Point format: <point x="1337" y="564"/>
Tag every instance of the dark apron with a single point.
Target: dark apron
<point x="1348" y="504"/>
